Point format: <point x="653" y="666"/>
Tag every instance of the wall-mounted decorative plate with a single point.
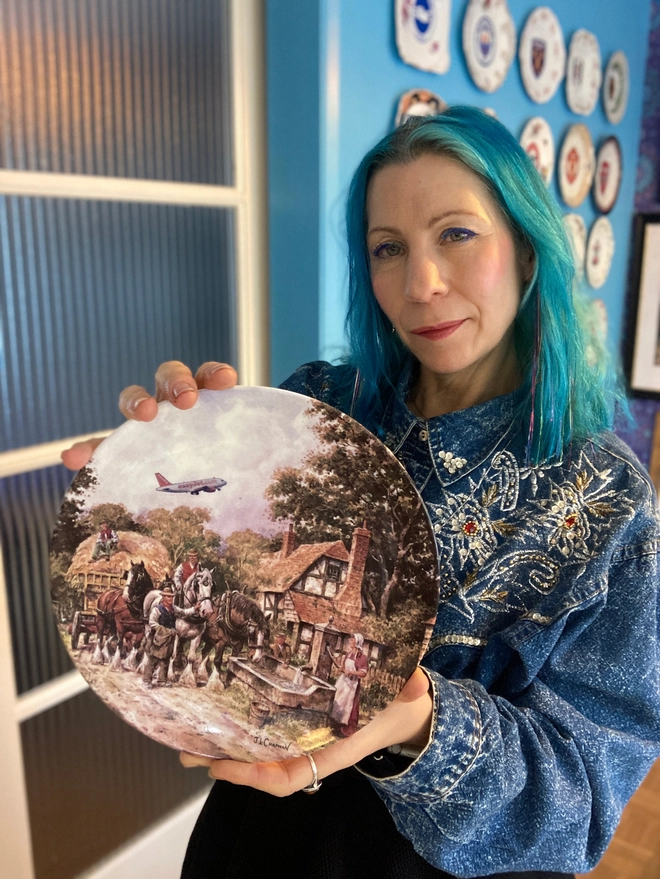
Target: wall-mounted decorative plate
<point x="577" y="236"/>
<point x="600" y="250"/>
<point x="607" y="179"/>
<point x="542" y="54"/>
<point x="422" y="33"/>
<point x="583" y="73"/>
<point x="577" y="164"/>
<point x="489" y="42"/>
<point x="267" y="516"/>
<point x="418" y="102"/>
<point x="539" y="144"/>
<point x="616" y="87"/>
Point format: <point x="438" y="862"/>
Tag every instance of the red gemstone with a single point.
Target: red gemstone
<point x="569" y="521"/>
<point x="470" y="527"/>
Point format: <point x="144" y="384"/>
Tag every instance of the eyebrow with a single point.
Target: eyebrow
<point x="432" y="221"/>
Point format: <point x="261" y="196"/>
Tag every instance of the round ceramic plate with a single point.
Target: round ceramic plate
<point x="616" y="86"/>
<point x="577" y="237"/>
<point x="607" y="178"/>
<point x="583" y="73"/>
<point x="418" y="102"/>
<point x="293" y="625"/>
<point x="422" y="33"/>
<point x="577" y="164"/>
<point x="489" y="42"/>
<point x="539" y="144"/>
<point x="542" y="54"/>
<point x="600" y="250"/>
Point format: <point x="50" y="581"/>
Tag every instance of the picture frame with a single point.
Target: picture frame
<point x="643" y="335"/>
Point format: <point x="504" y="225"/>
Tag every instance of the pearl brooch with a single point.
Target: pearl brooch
<point x="451" y="462"/>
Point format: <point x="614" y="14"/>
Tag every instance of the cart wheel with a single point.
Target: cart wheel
<point x="75" y="630"/>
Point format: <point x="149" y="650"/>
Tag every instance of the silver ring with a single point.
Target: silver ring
<point x="316" y="784"/>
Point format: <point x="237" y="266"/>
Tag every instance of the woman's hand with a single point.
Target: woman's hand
<point x="406" y="720"/>
<point x="174" y="382"/>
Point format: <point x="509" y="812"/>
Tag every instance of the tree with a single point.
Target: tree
<point x="351" y="481"/>
<point x="116" y="515"/>
<point x="181" y="530"/>
<point x="242" y="557"/>
<point x="71" y="530"/>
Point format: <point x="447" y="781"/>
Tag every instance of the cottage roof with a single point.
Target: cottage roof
<point x="132" y="547"/>
<point x="281" y="574"/>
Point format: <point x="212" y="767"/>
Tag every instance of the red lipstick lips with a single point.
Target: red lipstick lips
<point x="438" y="331"/>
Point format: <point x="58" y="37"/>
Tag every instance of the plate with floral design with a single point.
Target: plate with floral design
<point x="542" y="54"/>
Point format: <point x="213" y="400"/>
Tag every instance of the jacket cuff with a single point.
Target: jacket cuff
<point x="452" y="749"/>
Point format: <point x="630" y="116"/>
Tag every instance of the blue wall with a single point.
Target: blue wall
<point x="360" y="79"/>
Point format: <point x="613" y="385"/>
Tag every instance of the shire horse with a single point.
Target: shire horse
<point x="119" y="612"/>
<point x="196" y="591"/>
<point x="235" y="618"/>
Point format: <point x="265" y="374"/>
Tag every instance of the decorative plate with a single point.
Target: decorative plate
<point x="542" y="54"/>
<point x="607" y="179"/>
<point x="489" y="42"/>
<point x="418" y="102"/>
<point x="577" y="164"/>
<point x="422" y="33"/>
<point x="539" y="144"/>
<point x="577" y="236"/>
<point x="600" y="250"/>
<point x="583" y="73"/>
<point x="616" y="86"/>
<point x="293" y="543"/>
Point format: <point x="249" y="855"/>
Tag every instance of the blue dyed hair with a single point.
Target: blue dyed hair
<point x="563" y="397"/>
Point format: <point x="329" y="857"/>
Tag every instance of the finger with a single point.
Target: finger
<point x="216" y="376"/>
<point x="135" y="403"/>
<point x="79" y="454"/>
<point x="175" y="382"/>
<point x="191" y="760"/>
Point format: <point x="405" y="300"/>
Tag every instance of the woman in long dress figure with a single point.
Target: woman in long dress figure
<point x="346" y="707"/>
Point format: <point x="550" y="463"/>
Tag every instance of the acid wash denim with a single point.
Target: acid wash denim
<point x="544" y="656"/>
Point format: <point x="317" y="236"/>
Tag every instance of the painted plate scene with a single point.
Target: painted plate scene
<point x="253" y="578"/>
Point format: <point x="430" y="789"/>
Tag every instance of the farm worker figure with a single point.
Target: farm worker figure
<point x="354" y="664"/>
<point x="280" y="649"/>
<point x="159" y="642"/>
<point x="106" y="542"/>
<point x="186" y="569"/>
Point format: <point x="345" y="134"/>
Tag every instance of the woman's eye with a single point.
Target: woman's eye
<point x="388" y="248"/>
<point x="455" y="235"/>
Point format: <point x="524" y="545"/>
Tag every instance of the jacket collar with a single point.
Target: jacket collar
<point x="448" y="445"/>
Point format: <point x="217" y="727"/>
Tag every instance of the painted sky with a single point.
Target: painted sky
<point x="241" y="435"/>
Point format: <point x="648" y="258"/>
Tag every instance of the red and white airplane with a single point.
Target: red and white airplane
<point x="192" y="487"/>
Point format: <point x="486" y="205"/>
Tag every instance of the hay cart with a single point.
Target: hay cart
<point x="91" y="584"/>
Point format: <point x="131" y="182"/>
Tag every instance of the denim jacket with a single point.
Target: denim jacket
<point x="544" y="656"/>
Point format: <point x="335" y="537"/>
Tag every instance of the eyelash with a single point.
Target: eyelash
<point x="466" y="235"/>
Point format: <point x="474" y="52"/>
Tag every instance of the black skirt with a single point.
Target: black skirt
<point x="342" y="832"/>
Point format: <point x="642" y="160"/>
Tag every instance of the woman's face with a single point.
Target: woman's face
<point x="444" y="267"/>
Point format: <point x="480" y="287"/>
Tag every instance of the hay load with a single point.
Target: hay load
<point x="93" y="577"/>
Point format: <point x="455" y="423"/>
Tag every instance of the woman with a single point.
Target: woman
<point x="537" y="712"/>
<point x="353" y="666"/>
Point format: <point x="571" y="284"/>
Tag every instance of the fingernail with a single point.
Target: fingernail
<point x="133" y="405"/>
<point x="181" y="388"/>
<point x="191" y="760"/>
<point x="219" y="367"/>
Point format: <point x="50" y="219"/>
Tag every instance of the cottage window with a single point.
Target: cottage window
<point x="333" y="570"/>
<point x="306" y="633"/>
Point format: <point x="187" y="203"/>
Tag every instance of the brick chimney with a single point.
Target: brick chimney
<point x="288" y="542"/>
<point x="349" y="598"/>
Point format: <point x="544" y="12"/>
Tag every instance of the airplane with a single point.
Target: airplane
<point x="193" y="487"/>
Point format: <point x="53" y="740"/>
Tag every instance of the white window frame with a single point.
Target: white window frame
<point x="248" y="198"/>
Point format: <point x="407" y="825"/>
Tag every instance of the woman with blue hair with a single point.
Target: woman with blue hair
<point x="535" y="712"/>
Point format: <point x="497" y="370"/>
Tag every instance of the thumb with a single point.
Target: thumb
<point x="415" y="687"/>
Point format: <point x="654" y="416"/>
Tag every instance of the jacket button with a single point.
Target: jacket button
<point x="423" y="435"/>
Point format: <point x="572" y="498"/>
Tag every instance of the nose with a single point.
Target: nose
<point x="426" y="278"/>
